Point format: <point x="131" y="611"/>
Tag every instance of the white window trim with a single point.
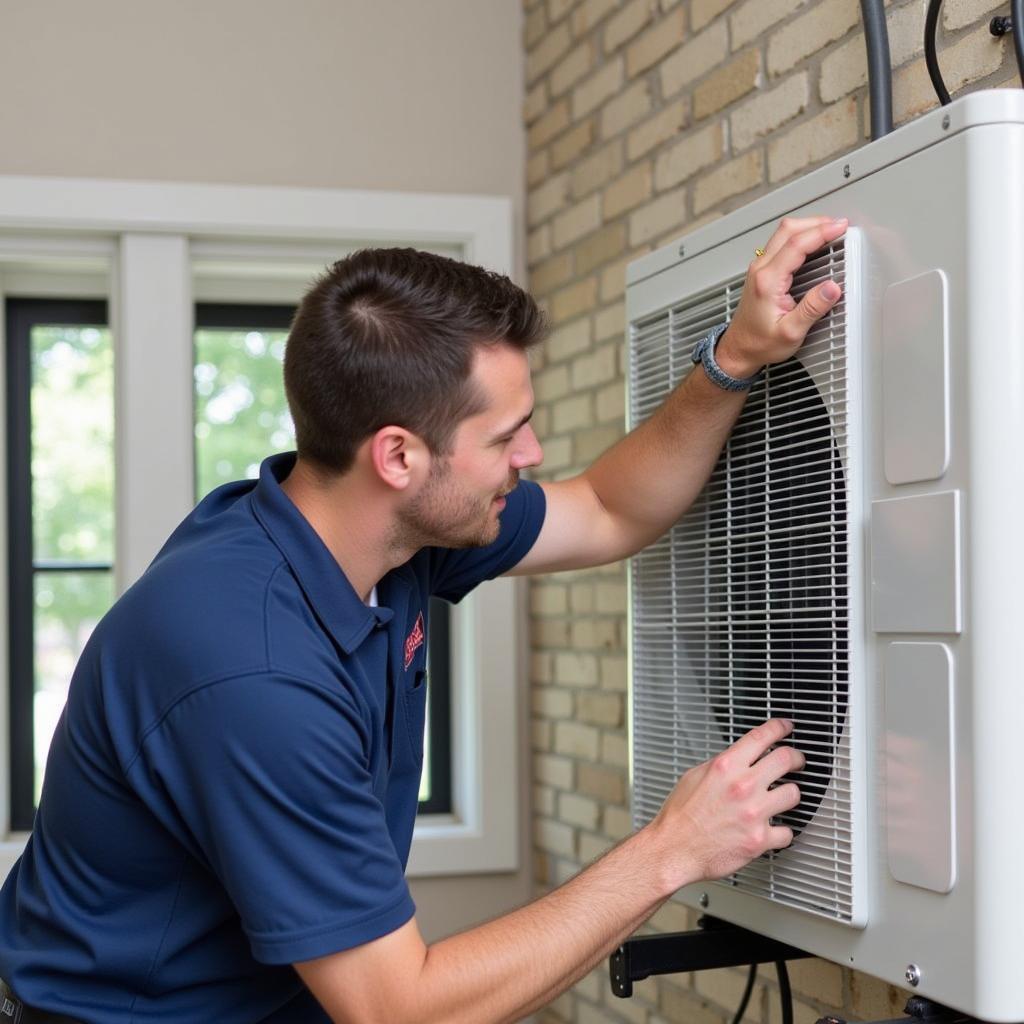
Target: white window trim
<point x="138" y="243"/>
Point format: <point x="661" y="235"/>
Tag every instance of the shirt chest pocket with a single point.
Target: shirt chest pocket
<point x="415" y="701"/>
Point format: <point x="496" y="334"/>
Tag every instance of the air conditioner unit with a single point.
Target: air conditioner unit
<point x="856" y="563"/>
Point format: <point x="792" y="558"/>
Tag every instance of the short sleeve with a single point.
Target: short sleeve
<point x="267" y="777"/>
<point x="457" y="572"/>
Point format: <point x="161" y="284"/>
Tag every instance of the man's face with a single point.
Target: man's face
<point x="459" y="503"/>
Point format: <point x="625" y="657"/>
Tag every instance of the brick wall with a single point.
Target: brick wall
<point x="645" y="119"/>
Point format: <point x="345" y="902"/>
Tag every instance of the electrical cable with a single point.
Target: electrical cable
<point x="1017" y="27"/>
<point x="742" y="1008"/>
<point x="785" y="992"/>
<point x="876" y="39"/>
<point x="931" y="23"/>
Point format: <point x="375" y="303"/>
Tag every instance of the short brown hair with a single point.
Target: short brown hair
<point x="387" y="336"/>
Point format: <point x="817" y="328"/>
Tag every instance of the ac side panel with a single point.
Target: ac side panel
<point x="912" y="218"/>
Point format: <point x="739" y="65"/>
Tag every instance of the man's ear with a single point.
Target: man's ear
<point x="399" y="457"/>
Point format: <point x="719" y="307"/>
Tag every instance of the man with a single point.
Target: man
<point x="230" y="794"/>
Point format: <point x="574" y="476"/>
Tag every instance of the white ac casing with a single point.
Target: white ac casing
<point x="912" y="595"/>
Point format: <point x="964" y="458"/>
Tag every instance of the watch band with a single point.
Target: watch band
<point x="704" y="353"/>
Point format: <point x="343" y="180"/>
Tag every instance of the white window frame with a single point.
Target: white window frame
<point x="138" y="244"/>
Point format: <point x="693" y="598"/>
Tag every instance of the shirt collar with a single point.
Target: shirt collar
<point x="323" y="581"/>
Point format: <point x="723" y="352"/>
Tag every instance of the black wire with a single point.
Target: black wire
<point x="876" y="38"/>
<point x="742" y="1008"/>
<point x="785" y="992"/>
<point x="931" y="23"/>
<point x="1017" y="27"/>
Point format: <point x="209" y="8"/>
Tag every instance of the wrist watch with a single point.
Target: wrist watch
<point x="704" y="353"/>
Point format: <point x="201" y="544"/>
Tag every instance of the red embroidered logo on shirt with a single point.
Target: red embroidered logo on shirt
<point x="414" y="640"/>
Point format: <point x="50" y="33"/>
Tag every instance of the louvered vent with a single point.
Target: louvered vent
<point x="740" y="612"/>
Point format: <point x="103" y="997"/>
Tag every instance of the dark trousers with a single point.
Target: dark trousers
<point x="14" y="1011"/>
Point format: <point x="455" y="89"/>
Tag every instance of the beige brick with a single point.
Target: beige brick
<point x="703" y="11"/>
<point x="616" y="822"/>
<point x="672" y="917"/>
<point x="872" y="999"/>
<point x="545" y="128"/>
<point x="832" y="131"/>
<point x="587" y="1014"/>
<point x="572" y="301"/>
<point x="572" y="67"/>
<point x="613" y="284"/>
<point x="600" y="709"/>
<point x="557" y="453"/>
<point x="590" y="445"/>
<point x="573" y="413"/>
<point x="594" y="171"/>
<point x="554" y="271"/>
<point x="593" y="91"/>
<point x="665" y="212"/>
<point x="558" y="9"/>
<point x="540" y="734"/>
<point x="536" y="102"/>
<point x="610" y="402"/>
<point x="614" y="750"/>
<point x="961" y="13"/>
<point x="591" y="634"/>
<point x="626" y="109"/>
<point x="547" y="52"/>
<point x="605" y="784"/>
<point x="810" y="33"/>
<point x="625" y="23"/>
<point x="974" y="57"/>
<point x="577" y="221"/>
<point x="554" y="837"/>
<point x="572" y="144"/>
<point x="846" y="67"/>
<point x="581" y="597"/>
<point x="633" y="188"/>
<point x="591" y="986"/>
<point x="544" y="801"/>
<point x="589" y="13"/>
<point x="535" y="23"/>
<point x="694" y="59"/>
<point x="601" y="247"/>
<point x="549" y="598"/>
<point x="750" y="20"/>
<point x="575" y="669"/>
<point x="537" y="168"/>
<point x="655" y="43"/>
<point x="554" y="771"/>
<point x="576" y="740"/>
<point x="613" y="672"/>
<point x="802" y="1012"/>
<point x="817" y="979"/>
<point x="768" y="111"/>
<point x="545" y="200"/>
<point x="725" y="987"/>
<point x="552" y="384"/>
<point x="691" y="154"/>
<point x="590" y="370"/>
<point x="611" y="598"/>
<point x="593" y="847"/>
<point x="550" y="633"/>
<point x="731" y="179"/>
<point x="665" y="125"/>
<point x="609" y="323"/>
<point x="541" y="667"/>
<point x="577" y="810"/>
<point x="568" y="340"/>
<point x="727" y="84"/>
<point x="538" y="242"/>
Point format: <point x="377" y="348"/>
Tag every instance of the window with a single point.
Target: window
<point x="60" y="407"/>
<point x="241" y="417"/>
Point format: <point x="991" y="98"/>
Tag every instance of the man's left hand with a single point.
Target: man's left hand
<point x="770" y="325"/>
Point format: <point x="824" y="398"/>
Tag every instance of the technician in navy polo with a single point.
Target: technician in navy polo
<point x="230" y="794"/>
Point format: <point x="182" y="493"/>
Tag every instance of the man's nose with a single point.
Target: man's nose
<point x="528" y="450"/>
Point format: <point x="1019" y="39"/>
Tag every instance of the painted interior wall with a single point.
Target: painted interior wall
<point x="382" y="94"/>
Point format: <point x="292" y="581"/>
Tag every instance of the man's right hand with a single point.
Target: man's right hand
<point x="716" y="819"/>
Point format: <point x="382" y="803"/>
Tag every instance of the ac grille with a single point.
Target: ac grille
<point x="741" y="611"/>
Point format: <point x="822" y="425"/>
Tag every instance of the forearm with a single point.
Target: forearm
<point x="652" y="476"/>
<point x="509" y="967"/>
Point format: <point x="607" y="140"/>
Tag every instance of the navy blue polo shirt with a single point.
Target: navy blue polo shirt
<point x="233" y="784"/>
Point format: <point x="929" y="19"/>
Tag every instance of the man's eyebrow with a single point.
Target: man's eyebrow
<point x="513" y="429"/>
